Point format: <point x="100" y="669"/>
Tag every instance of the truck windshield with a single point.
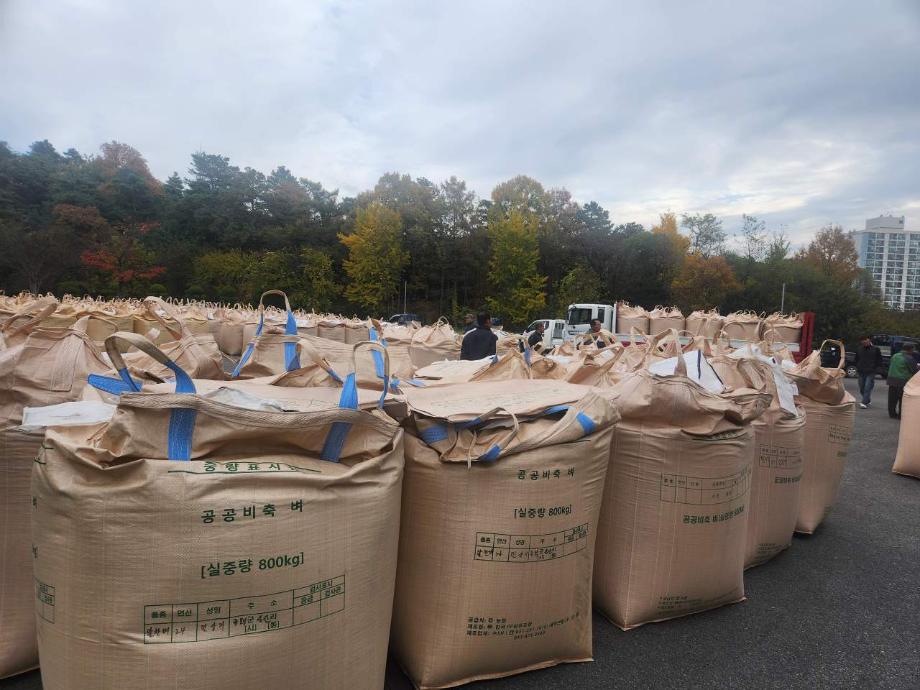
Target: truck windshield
<point x="579" y="316"/>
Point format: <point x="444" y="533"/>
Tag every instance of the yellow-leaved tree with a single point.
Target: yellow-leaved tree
<point x="667" y="226"/>
<point x="375" y="257"/>
<point x="704" y="282"/>
<point x="517" y="288"/>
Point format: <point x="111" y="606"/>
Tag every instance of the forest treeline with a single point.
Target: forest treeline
<point x="102" y="224"/>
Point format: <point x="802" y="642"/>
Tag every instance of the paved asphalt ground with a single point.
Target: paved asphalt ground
<point x="840" y="608"/>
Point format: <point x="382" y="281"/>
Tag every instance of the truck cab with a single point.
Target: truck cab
<point x="581" y="315"/>
<point x="553" y="335"/>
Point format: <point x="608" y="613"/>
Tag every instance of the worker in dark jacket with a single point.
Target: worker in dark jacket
<point x="902" y="367"/>
<point x="479" y="342"/>
<point x="868" y="362"/>
<point x="536" y="338"/>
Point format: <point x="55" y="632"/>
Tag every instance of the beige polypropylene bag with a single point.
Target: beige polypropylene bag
<point x="631" y="317"/>
<point x="339" y="356"/>
<point x="784" y="328"/>
<point x="495" y="556"/>
<point x="255" y="564"/>
<point x="742" y="325"/>
<point x="705" y="323"/>
<point x="356" y="331"/>
<point x="25" y="319"/>
<point x="198" y="356"/>
<point x="51" y="366"/>
<point x="779" y="437"/>
<point x="907" y="460"/>
<point x="662" y="319"/>
<point x="453" y="371"/>
<point x="273" y="347"/>
<point x="828" y="429"/>
<point x="434" y="343"/>
<point x="829" y="415"/>
<point x="229" y="335"/>
<point x="331" y="328"/>
<point x="821" y="384"/>
<point x="673" y="527"/>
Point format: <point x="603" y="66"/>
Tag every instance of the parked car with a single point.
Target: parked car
<point x="404" y="319"/>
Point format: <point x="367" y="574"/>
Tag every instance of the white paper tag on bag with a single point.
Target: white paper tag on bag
<point x="81" y="413"/>
<point x="698" y="369"/>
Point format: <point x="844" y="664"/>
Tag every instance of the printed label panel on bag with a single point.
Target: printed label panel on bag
<point x="780" y="457"/>
<point x="213" y="620"/>
<point x="530" y="548"/>
<point x="837" y="433"/>
<point x="44" y="597"/>
<point x="681" y="488"/>
<point x="499" y="626"/>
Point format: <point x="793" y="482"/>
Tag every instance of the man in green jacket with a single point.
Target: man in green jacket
<point x="902" y="367"/>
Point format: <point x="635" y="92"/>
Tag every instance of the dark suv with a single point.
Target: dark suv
<point x="404" y="319"/>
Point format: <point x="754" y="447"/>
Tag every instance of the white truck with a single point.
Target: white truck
<point x="581" y="316"/>
<point x="554" y="333"/>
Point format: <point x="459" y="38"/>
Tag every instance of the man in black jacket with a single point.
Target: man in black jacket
<point x="479" y="342"/>
<point x="535" y="340"/>
<point x="868" y="361"/>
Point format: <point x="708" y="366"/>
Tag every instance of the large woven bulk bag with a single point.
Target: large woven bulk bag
<point x="356" y="331"/>
<point x="742" y="325"/>
<point x="198" y="544"/>
<point x="306" y="323"/>
<point x="907" y="460"/>
<point x="331" y="328"/>
<point x="783" y="328"/>
<point x="779" y="436"/>
<point x="272" y="350"/>
<point x="65" y="315"/>
<point x="26" y="318"/>
<point x="452" y="371"/>
<point x="197" y="355"/>
<point x="828" y="429"/>
<point x="820" y="384"/>
<point x="51" y="366"/>
<point x="155" y="323"/>
<point x="631" y="317"/>
<point x="510" y="366"/>
<point x="434" y="343"/>
<point x="339" y="356"/>
<point x="672" y="532"/>
<point x="195" y="317"/>
<point x="829" y="415"/>
<point x="500" y="507"/>
<point x="705" y="323"/>
<point x="229" y="337"/>
<point x="397" y="340"/>
<point x="662" y="319"/>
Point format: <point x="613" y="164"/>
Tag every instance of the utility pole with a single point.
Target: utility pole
<point x="405" y="310"/>
<point x="782" y="301"/>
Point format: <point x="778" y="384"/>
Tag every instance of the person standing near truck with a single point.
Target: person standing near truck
<point x="536" y="338"/>
<point x="479" y="342"/>
<point x="902" y="367"/>
<point x="595" y="334"/>
<point x="868" y="362"/>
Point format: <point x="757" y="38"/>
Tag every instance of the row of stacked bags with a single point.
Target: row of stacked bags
<point x="326" y="503"/>
<point x="740" y="325"/>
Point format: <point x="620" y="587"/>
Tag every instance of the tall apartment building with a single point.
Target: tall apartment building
<point x="891" y="254"/>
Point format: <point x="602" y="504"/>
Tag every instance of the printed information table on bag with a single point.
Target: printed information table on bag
<point x="527" y="548"/>
<point x="213" y="620"/>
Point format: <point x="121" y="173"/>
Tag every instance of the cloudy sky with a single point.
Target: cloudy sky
<point x="803" y="113"/>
